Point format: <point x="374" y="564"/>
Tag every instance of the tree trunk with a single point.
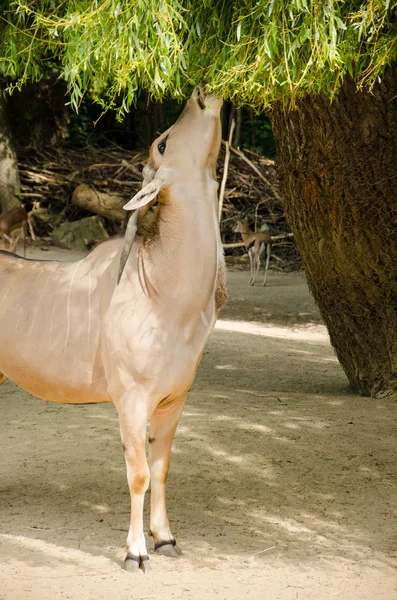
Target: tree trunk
<point x="9" y="177"/>
<point x="338" y="169"/>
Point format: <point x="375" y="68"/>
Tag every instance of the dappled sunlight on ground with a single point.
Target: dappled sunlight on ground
<point x="314" y="333"/>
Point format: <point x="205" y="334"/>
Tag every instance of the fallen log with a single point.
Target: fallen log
<point x="106" y="205"/>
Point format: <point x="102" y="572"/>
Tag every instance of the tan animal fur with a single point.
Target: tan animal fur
<point x="69" y="333"/>
<point x="256" y="244"/>
<point x="11" y="222"/>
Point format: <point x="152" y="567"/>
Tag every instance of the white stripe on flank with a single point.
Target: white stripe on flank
<point x="68" y="307"/>
<point x="89" y="302"/>
<point x="37" y="305"/>
<point x="5" y="295"/>
<point x="53" y="310"/>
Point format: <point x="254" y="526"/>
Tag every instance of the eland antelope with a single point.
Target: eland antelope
<point x="70" y="332"/>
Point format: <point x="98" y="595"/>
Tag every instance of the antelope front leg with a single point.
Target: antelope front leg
<point x="251" y="257"/>
<point x="163" y="424"/>
<point x="133" y="420"/>
<point x="258" y="266"/>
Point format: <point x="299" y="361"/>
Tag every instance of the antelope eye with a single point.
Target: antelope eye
<point x="161" y="147"/>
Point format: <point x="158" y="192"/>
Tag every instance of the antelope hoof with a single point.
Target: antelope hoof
<point x="132" y="563"/>
<point x="168" y="548"/>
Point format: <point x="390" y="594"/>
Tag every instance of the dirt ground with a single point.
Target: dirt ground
<point x="282" y="483"/>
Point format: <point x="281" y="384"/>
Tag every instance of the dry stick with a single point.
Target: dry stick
<point x="225" y="170"/>
<point x="31" y="194"/>
<point x="268" y="161"/>
<point x="233" y="245"/>
<point x="254" y="168"/>
<point x="262" y="551"/>
<point x="280" y="236"/>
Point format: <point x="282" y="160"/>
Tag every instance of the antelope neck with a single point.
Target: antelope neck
<point x="247" y="237"/>
<point x="181" y="261"/>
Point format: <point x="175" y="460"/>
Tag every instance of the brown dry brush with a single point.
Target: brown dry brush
<point x="252" y="191"/>
<point x="48" y="179"/>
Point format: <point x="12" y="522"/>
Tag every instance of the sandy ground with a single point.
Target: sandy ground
<point x="282" y="484"/>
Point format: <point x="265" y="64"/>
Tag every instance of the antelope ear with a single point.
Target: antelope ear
<point x="145" y="195"/>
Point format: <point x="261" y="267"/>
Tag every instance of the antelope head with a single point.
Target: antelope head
<point x="241" y="224"/>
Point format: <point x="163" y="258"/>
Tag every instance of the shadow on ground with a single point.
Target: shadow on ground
<point x="272" y="455"/>
<point x="284" y="301"/>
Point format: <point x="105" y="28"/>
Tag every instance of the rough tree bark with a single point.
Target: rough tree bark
<point x="9" y="177"/>
<point x="338" y="168"/>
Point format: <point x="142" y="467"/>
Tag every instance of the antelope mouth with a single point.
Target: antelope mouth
<point x="200" y="102"/>
<point x="206" y="99"/>
<point x="201" y="89"/>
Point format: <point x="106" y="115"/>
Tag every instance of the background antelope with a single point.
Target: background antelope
<point x="256" y="244"/>
<point x="11" y="222"/>
<point x="70" y="333"/>
<point x="13" y="226"/>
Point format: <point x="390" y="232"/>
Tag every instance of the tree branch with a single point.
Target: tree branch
<point x="225" y="170"/>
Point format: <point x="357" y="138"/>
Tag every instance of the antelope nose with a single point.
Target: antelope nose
<point x="206" y="100"/>
<point x="199" y="95"/>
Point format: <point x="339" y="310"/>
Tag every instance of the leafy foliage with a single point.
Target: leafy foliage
<point x="253" y="52"/>
<point x="257" y="134"/>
